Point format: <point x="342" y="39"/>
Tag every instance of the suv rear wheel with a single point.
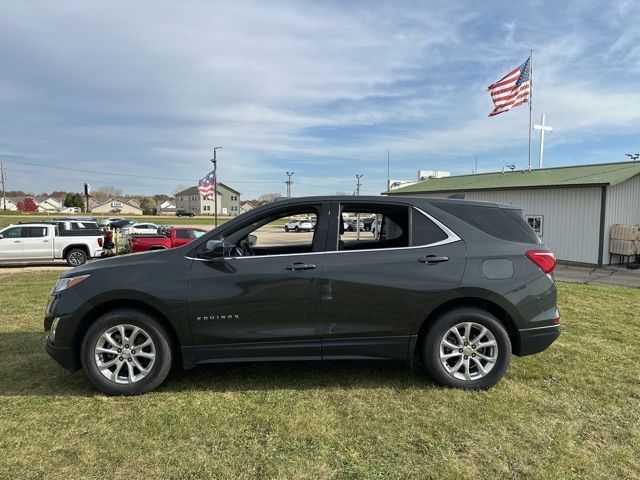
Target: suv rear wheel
<point x="126" y="352"/>
<point x="466" y="348"/>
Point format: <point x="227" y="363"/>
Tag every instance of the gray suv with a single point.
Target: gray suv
<point x="461" y="284"/>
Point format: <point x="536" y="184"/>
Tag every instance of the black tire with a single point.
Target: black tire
<point x="75" y="257"/>
<point x="161" y="341"/>
<point x="286" y="229"/>
<point x="297" y="229"/>
<point x="431" y="348"/>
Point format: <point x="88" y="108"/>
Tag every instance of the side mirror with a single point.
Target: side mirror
<point x="213" y="249"/>
<point x="252" y="240"/>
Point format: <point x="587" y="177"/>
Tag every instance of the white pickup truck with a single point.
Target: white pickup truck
<point x="38" y="242"/>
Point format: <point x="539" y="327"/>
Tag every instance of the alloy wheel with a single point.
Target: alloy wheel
<point x="125" y="354"/>
<point x="468" y="351"/>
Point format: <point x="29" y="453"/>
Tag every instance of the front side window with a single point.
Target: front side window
<point x="268" y="235"/>
<point x="15" y="232"/>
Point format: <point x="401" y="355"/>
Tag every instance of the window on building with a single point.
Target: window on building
<point x="536" y="222"/>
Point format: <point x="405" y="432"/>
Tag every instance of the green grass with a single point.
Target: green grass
<point x="570" y="412"/>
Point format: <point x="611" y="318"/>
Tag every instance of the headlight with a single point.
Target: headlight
<point x="68" y="282"/>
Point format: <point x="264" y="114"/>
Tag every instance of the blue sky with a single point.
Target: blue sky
<point x="146" y="89"/>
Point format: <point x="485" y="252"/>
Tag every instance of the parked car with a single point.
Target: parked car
<point x="139" y="228"/>
<point x="69" y="227"/>
<point x="184" y="213"/>
<point x="174" y="237"/>
<point x="299" y="226"/>
<point x="31" y="242"/>
<point x="462" y="284"/>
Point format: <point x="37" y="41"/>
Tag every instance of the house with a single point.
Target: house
<point x="246" y="206"/>
<point x="168" y="207"/>
<point x="8" y="204"/>
<point x="116" y="205"/>
<point x="48" y="204"/>
<point x="571" y="208"/>
<point x="191" y="201"/>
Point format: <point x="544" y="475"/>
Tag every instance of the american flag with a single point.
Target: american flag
<point x="511" y="90"/>
<point x="207" y="185"/>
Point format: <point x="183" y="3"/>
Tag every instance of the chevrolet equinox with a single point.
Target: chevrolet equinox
<point x="462" y="284"/>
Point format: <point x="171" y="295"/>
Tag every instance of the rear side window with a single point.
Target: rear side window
<point x="424" y="231"/>
<point x="183" y="234"/>
<point x="504" y="223"/>
<point x="34" y="232"/>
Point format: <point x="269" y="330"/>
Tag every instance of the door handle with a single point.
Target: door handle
<point x="17" y="241"/>
<point x="45" y="241"/>
<point x="300" y="266"/>
<point x="433" y="259"/>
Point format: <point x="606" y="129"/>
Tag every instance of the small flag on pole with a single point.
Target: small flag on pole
<point x="511" y="90"/>
<point x="207" y="185"/>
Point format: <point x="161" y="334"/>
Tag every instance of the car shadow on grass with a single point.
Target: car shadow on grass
<point x="29" y="371"/>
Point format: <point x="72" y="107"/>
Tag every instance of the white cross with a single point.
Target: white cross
<point x="543" y="128"/>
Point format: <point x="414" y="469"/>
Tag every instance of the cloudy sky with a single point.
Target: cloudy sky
<point x="135" y="94"/>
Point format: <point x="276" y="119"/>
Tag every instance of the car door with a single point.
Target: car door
<point x="11" y="244"/>
<point x="37" y="242"/>
<point x="263" y="306"/>
<point x="375" y="297"/>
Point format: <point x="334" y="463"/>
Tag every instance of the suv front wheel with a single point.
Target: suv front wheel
<point x="466" y="348"/>
<point x="126" y="352"/>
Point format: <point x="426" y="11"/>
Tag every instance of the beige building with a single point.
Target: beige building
<point x="190" y="200"/>
<point x="116" y="205"/>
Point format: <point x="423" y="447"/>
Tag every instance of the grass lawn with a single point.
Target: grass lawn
<point x="570" y="412"/>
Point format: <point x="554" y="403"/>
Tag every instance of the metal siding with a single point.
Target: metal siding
<point x="571" y="216"/>
<point x="623" y="206"/>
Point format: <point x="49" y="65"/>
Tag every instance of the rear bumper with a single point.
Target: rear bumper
<point x="534" y="340"/>
<point x="63" y="355"/>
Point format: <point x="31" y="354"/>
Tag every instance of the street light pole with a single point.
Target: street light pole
<point x="289" y="182"/>
<point x="358" y="177"/>
<point x="4" y="197"/>
<point x="214" y="160"/>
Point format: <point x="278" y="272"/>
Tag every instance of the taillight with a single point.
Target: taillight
<point x="99" y="241"/>
<point x="544" y="259"/>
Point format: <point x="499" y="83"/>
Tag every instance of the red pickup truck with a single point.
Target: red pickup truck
<point x="175" y="237"/>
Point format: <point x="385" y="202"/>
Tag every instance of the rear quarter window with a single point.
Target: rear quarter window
<point x="424" y="231"/>
<point x="503" y="223"/>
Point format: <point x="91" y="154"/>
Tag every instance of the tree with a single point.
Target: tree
<point x="106" y="192"/>
<point x="74" y="200"/>
<point x="148" y="206"/>
<point x="27" y="205"/>
<point x="179" y="188"/>
<point x="269" y="197"/>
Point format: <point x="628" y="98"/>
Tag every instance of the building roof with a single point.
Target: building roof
<point x="579" y="175"/>
<point x="194" y="190"/>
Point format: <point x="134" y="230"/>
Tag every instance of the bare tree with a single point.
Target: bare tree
<point x="179" y="188"/>
<point x="269" y="197"/>
<point x="108" y="191"/>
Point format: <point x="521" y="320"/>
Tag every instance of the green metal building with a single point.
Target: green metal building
<point x="571" y="208"/>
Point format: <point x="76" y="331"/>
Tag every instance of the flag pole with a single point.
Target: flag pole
<point x="530" y="100"/>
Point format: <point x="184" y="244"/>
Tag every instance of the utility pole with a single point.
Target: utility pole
<point x="358" y="177"/>
<point x="289" y="182"/>
<point x="388" y="176"/>
<point x="214" y="160"/>
<point x="4" y="198"/>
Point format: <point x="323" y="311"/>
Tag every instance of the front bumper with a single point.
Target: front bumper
<point x="534" y="340"/>
<point x="63" y="355"/>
